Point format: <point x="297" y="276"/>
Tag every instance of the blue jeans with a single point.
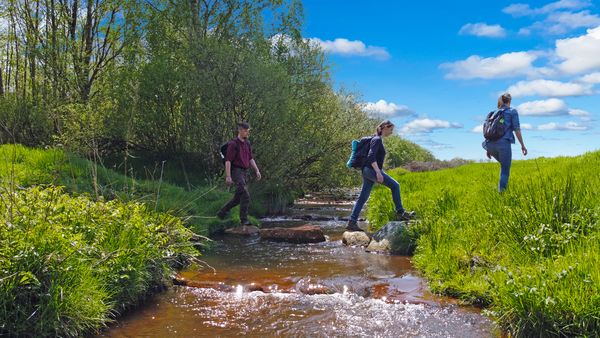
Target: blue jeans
<point x="501" y="151"/>
<point x="369" y="179"/>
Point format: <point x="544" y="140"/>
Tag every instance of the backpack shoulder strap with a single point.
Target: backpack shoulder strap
<point x="497" y="112"/>
<point x="237" y="145"/>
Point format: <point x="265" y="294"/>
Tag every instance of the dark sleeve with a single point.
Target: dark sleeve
<point x="376" y="144"/>
<point x="250" y="147"/>
<point x="231" y="151"/>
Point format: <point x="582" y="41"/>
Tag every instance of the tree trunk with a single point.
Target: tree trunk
<point x="1" y="82"/>
<point x="88" y="38"/>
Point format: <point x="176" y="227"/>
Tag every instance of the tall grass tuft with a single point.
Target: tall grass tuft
<point x="69" y="264"/>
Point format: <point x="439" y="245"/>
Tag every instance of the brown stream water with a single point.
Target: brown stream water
<point x="266" y="289"/>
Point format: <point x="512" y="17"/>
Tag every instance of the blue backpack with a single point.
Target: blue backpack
<point x="360" y="151"/>
<point x="494" y="127"/>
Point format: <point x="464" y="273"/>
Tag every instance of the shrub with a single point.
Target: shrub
<point x="69" y="264"/>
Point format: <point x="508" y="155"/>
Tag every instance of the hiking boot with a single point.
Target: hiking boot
<point x="405" y="215"/>
<point x="221" y="215"/>
<point x="353" y="226"/>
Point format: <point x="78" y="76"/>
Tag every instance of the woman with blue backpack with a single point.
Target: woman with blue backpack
<point x="372" y="172"/>
<point x="498" y="131"/>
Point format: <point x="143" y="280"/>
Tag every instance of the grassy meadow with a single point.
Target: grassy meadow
<point x="529" y="255"/>
<point x="80" y="244"/>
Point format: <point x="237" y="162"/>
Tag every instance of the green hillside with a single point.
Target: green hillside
<point x="529" y="254"/>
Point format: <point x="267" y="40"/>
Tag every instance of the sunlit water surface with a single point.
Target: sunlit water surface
<point x="326" y="289"/>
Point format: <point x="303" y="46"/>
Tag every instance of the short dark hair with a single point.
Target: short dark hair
<point x="243" y="125"/>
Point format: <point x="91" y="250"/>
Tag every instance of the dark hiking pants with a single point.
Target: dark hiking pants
<point x="242" y="196"/>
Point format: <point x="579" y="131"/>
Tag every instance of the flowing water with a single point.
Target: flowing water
<point x="264" y="289"/>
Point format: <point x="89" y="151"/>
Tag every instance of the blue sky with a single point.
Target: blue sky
<point x="437" y="68"/>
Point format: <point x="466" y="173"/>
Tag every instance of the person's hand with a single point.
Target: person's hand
<point x="379" y="178"/>
<point x="524" y="150"/>
<point x="228" y="180"/>
<point x="488" y="154"/>
<point x="258" y="175"/>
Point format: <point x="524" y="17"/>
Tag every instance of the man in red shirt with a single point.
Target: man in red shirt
<point x="237" y="161"/>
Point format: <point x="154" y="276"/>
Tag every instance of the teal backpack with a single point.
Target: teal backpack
<point x="360" y="151"/>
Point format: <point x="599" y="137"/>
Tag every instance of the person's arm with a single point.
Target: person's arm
<point x="520" y="138"/>
<point x="228" y="179"/>
<point x="516" y="124"/>
<point x="255" y="167"/>
<point x="231" y="153"/>
<point x="253" y="163"/>
<point x="375" y="167"/>
<point x="372" y="157"/>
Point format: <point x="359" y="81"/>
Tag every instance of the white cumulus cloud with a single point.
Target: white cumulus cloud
<point x="549" y="88"/>
<point x="347" y="47"/>
<point x="578" y="112"/>
<point x="526" y="126"/>
<point x="525" y="31"/>
<point x="580" y="54"/>
<point x="590" y="78"/>
<point x="426" y="125"/>
<point x="386" y="109"/>
<point x="550" y="107"/>
<point x="431" y="144"/>
<point x="478" y="129"/>
<point x="569" y="126"/>
<point x="582" y="114"/>
<point x="560" y="16"/>
<point x="520" y="9"/>
<point x="483" y="30"/>
<point x="562" y="22"/>
<point x="504" y="66"/>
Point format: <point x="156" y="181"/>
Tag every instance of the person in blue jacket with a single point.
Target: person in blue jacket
<point x="501" y="149"/>
<point x="372" y="172"/>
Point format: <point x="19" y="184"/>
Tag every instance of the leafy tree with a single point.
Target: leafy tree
<point x="401" y="152"/>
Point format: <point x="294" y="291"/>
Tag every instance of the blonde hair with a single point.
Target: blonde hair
<point x="384" y="124"/>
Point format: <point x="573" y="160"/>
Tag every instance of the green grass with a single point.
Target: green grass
<point x="529" y="254"/>
<point x="69" y="264"/>
<point x="29" y="166"/>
